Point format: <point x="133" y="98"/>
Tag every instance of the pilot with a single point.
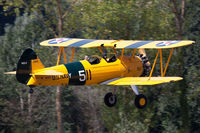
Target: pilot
<point x="104" y="55"/>
<point x="86" y="58"/>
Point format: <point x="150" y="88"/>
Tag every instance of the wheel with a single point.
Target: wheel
<point x="140" y="101"/>
<point x="110" y="99"/>
<point x="30" y="91"/>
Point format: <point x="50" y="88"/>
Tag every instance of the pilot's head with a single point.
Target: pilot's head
<point x="86" y="58"/>
<point x="104" y="55"/>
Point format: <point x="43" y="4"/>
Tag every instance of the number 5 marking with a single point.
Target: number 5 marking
<point x="81" y="75"/>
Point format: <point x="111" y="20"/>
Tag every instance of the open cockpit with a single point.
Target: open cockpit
<point x="95" y="59"/>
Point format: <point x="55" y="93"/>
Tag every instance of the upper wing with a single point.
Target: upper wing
<point x="75" y="42"/>
<point x="140" y="80"/>
<point x="89" y="43"/>
<point x="153" y="44"/>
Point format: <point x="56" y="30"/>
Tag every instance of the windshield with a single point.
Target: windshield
<point x="94" y="60"/>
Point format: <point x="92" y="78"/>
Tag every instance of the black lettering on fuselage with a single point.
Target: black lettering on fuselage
<point x="57" y="77"/>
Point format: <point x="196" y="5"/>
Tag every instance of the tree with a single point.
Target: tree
<point x="121" y="21"/>
<point x="26" y="33"/>
<point x="82" y="108"/>
<point x="56" y="28"/>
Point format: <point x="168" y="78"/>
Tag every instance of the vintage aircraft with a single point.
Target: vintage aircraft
<point x="116" y="70"/>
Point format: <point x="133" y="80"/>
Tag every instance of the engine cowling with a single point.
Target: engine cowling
<point x="136" y="66"/>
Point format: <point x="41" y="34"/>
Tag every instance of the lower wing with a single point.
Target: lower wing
<point x="140" y="80"/>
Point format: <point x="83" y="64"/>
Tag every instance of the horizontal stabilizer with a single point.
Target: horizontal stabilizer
<point x="140" y="80"/>
<point x="10" y="73"/>
<point x="48" y="73"/>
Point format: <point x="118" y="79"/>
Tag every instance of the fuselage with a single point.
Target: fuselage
<point x="90" y="73"/>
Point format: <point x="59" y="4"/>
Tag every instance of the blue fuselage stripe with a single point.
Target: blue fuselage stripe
<point x="138" y="44"/>
<point x="80" y="43"/>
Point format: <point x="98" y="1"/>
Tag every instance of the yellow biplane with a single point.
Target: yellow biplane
<point x="117" y="70"/>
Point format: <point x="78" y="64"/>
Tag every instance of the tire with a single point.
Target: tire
<point x="31" y="91"/>
<point x="110" y="100"/>
<point x="140" y="101"/>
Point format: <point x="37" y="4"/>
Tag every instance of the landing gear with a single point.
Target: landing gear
<point x="140" y="101"/>
<point x="31" y="89"/>
<point x="110" y="99"/>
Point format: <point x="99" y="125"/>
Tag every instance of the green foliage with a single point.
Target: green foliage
<point x="70" y="113"/>
<point x="192" y="64"/>
<point x="171" y="107"/>
<point x="124" y="20"/>
<point x="26" y="33"/>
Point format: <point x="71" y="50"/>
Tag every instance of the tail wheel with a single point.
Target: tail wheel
<point x="140" y="101"/>
<point x="31" y="91"/>
<point x="110" y="99"/>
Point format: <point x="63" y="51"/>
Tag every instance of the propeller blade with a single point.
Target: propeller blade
<point x="142" y="51"/>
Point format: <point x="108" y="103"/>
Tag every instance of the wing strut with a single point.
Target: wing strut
<point x="64" y="55"/>
<point x="170" y="54"/>
<point x="153" y="65"/>
<point x="59" y="55"/>
<point x="61" y="49"/>
<point x="122" y="54"/>
<point x="133" y="55"/>
<point x="72" y="54"/>
<point x="100" y="50"/>
<point x="115" y="51"/>
<point x="161" y="64"/>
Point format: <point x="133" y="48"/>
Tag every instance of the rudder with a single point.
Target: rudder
<point x="27" y="64"/>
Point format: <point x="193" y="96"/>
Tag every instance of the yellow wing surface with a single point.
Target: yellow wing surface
<point x="140" y="80"/>
<point x="89" y="43"/>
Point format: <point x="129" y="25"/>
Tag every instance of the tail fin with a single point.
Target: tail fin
<point x="27" y="64"/>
